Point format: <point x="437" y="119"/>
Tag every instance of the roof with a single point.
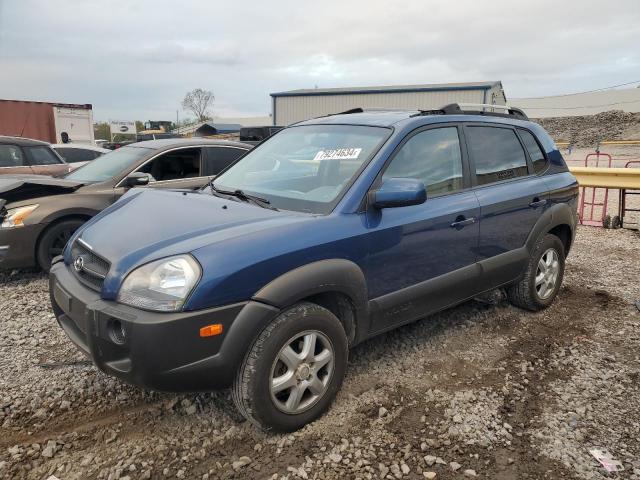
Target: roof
<point x="54" y="104"/>
<point x="376" y="118"/>
<point x="23" y="142"/>
<point x="387" y="118"/>
<point x="434" y="87"/>
<point x="178" y="142"/>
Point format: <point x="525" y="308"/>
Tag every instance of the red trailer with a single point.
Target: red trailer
<point x="47" y="121"/>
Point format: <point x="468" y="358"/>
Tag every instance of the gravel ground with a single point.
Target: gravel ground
<point x="483" y="390"/>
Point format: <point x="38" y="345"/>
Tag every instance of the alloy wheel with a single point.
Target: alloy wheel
<point x="547" y="274"/>
<point x="301" y="372"/>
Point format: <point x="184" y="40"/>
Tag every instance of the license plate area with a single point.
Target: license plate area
<point x="73" y="308"/>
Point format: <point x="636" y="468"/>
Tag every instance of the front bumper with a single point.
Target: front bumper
<point x="18" y="246"/>
<point x="160" y="351"/>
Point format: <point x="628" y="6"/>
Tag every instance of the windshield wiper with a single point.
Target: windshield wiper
<point x="261" y="202"/>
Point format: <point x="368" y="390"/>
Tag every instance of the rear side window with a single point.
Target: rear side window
<point x="11" y="156"/>
<point x="497" y="153"/>
<point x="535" y="152"/>
<point x="217" y="159"/>
<point x="74" y="155"/>
<point x="432" y="156"/>
<point x="42" y="156"/>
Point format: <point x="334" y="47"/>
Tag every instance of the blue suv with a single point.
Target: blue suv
<point x="330" y="232"/>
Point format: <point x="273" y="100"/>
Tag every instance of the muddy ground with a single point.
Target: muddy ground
<point x="482" y="390"/>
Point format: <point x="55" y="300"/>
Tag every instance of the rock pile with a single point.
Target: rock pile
<point x="588" y="130"/>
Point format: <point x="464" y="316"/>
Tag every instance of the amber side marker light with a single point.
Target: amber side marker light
<point x="211" y="330"/>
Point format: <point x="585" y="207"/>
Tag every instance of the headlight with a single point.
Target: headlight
<point x="16" y="216"/>
<point x="163" y="285"/>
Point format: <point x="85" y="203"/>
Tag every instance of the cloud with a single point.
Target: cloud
<point x="189" y="53"/>
<point x="136" y="60"/>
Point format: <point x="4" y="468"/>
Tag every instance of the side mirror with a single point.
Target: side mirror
<point x="137" y="179"/>
<point x="399" y="192"/>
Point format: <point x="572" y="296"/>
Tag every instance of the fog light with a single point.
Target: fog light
<point x="117" y="332"/>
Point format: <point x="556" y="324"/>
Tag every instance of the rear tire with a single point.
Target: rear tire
<point x="543" y="277"/>
<point x="53" y="240"/>
<point x="293" y="370"/>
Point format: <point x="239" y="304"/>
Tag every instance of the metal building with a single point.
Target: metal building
<point x="297" y="105"/>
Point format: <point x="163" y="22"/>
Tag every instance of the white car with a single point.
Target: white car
<point x="78" y="154"/>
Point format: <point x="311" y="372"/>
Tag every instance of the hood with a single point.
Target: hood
<point x="14" y="188"/>
<point x="151" y="224"/>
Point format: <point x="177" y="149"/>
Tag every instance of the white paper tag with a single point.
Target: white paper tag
<point x="606" y="460"/>
<point x="338" y="154"/>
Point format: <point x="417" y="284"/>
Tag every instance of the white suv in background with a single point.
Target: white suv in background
<point x="77" y="154"/>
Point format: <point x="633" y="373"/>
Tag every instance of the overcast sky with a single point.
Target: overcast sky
<point x="134" y="60"/>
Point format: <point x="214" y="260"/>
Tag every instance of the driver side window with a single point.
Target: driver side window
<point x="432" y="156"/>
<point x="174" y="165"/>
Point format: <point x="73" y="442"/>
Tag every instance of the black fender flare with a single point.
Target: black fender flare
<point x="558" y="214"/>
<point x="331" y="275"/>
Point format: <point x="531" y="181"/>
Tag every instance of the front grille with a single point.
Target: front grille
<point x="87" y="266"/>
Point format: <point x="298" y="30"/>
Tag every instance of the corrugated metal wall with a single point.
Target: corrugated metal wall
<point x="496" y="96"/>
<point x="291" y="109"/>
<point x="27" y="119"/>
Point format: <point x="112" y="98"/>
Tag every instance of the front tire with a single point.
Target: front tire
<point x="53" y="240"/>
<point x="543" y="277"/>
<point x="293" y="370"/>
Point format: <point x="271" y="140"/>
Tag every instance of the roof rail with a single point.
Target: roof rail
<point x="479" y="109"/>
<point x="510" y="110"/>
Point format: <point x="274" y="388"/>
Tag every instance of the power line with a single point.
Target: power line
<point x="580" y="93"/>
<point x="583" y="106"/>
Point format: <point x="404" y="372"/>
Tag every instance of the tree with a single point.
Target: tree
<point x="101" y="131"/>
<point x="199" y="102"/>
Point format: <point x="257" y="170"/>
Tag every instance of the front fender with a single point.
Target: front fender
<point x="332" y="275"/>
<point x="70" y="212"/>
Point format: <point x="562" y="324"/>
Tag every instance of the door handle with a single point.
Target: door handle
<point x="537" y="203"/>
<point x="462" y="222"/>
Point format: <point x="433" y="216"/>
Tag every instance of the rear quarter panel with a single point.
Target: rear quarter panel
<point x="53" y="170"/>
<point x="563" y="189"/>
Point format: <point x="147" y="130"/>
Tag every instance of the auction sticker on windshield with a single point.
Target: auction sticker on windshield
<point x="338" y="154"/>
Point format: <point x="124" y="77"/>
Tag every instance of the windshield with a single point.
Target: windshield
<point x="304" y="168"/>
<point x="108" y="165"/>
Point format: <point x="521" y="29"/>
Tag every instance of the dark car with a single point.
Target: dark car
<point x="116" y="145"/>
<point x="25" y="156"/>
<point x="39" y="214"/>
<point x="256" y="135"/>
<point x="328" y="233"/>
